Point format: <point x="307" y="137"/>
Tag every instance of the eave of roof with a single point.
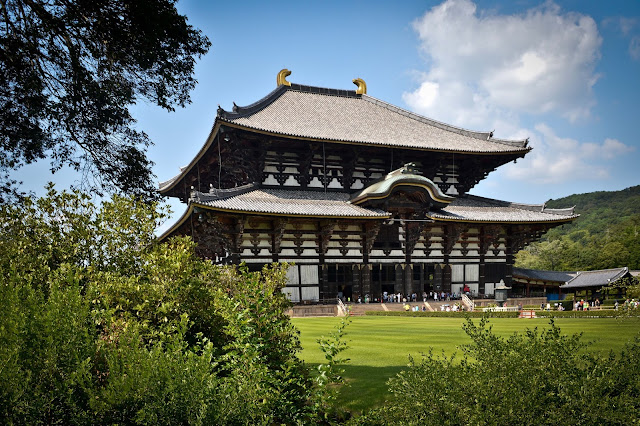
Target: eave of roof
<point x="281" y="202"/>
<point x="251" y="200"/>
<point x="471" y="208"/>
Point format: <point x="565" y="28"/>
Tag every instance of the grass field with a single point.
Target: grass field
<point x="379" y="346"/>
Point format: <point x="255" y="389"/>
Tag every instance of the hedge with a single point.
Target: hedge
<point x="441" y="314"/>
<point x="511" y="314"/>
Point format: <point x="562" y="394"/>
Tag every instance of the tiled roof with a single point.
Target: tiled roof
<point x="535" y="274"/>
<point x="287" y="202"/>
<point x="468" y="208"/>
<point x="595" y="278"/>
<point x="471" y="208"/>
<point x="343" y="116"/>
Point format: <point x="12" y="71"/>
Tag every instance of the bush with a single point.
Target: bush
<point x="567" y="305"/>
<point x="539" y="377"/>
<point x="440" y="314"/>
<point x="600" y="313"/>
<point x="101" y="324"/>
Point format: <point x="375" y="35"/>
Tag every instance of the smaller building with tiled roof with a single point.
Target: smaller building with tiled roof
<point x="595" y="279"/>
<point x="534" y="282"/>
<point x="556" y="277"/>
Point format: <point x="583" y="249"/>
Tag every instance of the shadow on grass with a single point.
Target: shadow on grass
<point x="365" y="387"/>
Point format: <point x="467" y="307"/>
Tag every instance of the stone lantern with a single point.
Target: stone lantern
<point x="501" y="293"/>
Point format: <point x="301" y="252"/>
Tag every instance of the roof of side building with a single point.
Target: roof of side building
<point x="596" y="278"/>
<point x="540" y="275"/>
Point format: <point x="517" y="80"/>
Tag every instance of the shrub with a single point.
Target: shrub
<point x="601" y="313"/>
<point x="440" y="314"/>
<point x="539" y="377"/>
<point x="101" y="324"/>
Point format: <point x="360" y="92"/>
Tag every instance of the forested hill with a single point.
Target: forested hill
<point x="606" y="235"/>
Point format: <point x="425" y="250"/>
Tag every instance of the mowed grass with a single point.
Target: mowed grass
<point x="379" y="347"/>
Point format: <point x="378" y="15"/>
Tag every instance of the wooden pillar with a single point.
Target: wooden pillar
<point x="508" y="279"/>
<point x="438" y="279"/>
<point x="408" y="279"/>
<point x="356" y="289"/>
<point x="482" y="250"/>
<point x="446" y="278"/>
<point x="236" y="231"/>
<point x="399" y="282"/>
<point x="366" y="279"/>
<point x="325" y="288"/>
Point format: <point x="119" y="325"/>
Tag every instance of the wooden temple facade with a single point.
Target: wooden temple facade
<point x="364" y="197"/>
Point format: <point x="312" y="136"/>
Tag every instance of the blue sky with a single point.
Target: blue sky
<point x="565" y="74"/>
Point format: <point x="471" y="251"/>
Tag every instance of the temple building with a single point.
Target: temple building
<point x="555" y="285"/>
<point x="539" y="283"/>
<point x="364" y="197"/>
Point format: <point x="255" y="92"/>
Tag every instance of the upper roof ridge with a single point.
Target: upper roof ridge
<point x="243" y="111"/>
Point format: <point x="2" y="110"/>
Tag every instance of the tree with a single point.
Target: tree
<point x="69" y="70"/>
<point x="102" y="324"/>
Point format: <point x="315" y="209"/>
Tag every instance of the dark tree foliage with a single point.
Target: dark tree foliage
<point x="69" y="70"/>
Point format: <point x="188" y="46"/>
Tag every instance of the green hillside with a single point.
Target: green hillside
<point x="607" y="234"/>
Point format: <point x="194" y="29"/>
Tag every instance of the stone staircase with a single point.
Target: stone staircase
<point x="358" y="309"/>
<point x="313" y="311"/>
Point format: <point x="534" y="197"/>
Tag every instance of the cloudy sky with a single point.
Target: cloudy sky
<point x="565" y="74"/>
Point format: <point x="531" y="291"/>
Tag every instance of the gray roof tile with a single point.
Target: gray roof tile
<point x="471" y="208"/>
<point x="595" y="278"/>
<point x="535" y="274"/>
<point x="359" y="119"/>
<point x="288" y="202"/>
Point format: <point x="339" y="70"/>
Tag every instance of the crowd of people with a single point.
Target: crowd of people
<point x="585" y="305"/>
<point x="628" y="304"/>
<point x="414" y="297"/>
<point x="579" y="305"/>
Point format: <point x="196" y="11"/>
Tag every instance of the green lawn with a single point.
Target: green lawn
<point x="379" y="346"/>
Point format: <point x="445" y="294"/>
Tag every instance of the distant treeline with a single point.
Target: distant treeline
<point x="606" y="235"/>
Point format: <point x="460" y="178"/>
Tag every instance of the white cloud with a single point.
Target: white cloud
<point x="634" y="48"/>
<point x="486" y="71"/>
<point x="486" y="65"/>
<point x="627" y="24"/>
<point x="556" y="159"/>
<point x="624" y="24"/>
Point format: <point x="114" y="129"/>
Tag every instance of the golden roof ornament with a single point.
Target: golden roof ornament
<point x="362" y="86"/>
<point x="282" y="77"/>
